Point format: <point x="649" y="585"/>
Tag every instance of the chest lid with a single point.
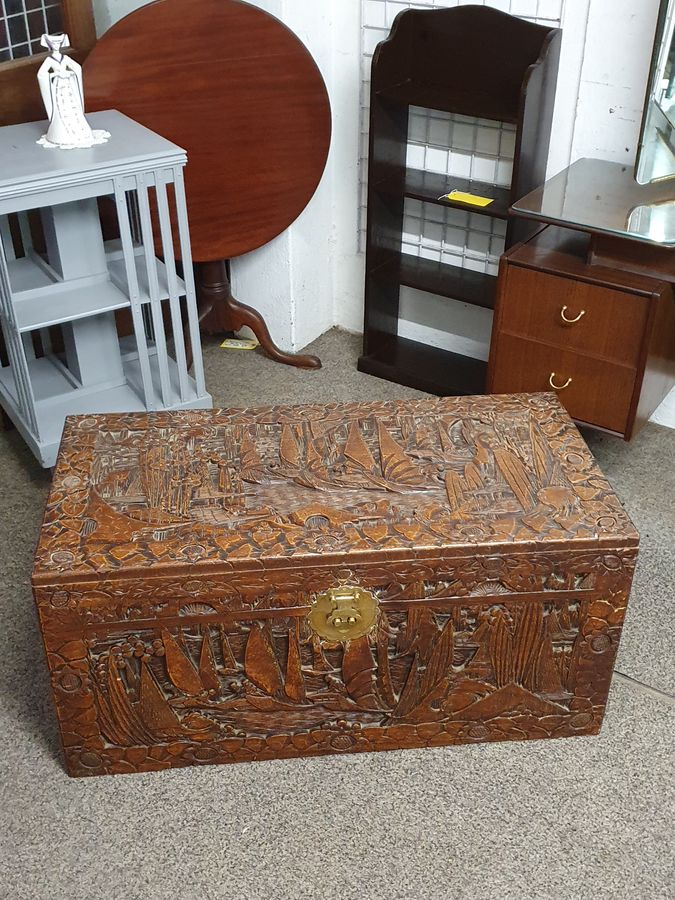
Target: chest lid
<point x="275" y="486"/>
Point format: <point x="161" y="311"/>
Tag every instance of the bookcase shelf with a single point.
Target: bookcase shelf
<point x="431" y="187"/>
<point x="425" y="368"/>
<point x="57" y="395"/>
<point x="470" y="61"/>
<point x="42" y="299"/>
<point x="453" y="282"/>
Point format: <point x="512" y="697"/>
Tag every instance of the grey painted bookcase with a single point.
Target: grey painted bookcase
<point x="59" y="294"/>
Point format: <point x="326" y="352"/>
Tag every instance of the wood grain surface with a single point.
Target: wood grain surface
<point x="382" y="478"/>
<point x="182" y="557"/>
<point x="611" y="326"/>
<point x="620" y="354"/>
<point x="240" y="92"/>
<point x="599" y="392"/>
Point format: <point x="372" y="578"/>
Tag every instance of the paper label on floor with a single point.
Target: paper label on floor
<point x="239" y="344"/>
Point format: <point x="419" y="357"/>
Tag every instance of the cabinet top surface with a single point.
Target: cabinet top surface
<point x="271" y="487"/>
<point x="600" y="196"/>
<point x="24" y="163"/>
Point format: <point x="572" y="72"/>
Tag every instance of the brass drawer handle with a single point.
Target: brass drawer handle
<point x="558" y="387"/>
<point x="571" y="321"/>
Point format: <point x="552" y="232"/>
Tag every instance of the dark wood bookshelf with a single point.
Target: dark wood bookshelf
<point x="468" y="60"/>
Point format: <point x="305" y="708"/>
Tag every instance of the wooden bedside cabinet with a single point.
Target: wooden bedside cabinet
<point x="602" y="338"/>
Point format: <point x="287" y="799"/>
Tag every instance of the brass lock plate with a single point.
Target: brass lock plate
<point x="343" y="613"/>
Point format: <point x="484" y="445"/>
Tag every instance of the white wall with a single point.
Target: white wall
<point x="619" y="36"/>
<point x="302" y="281"/>
<point x="107" y="12"/>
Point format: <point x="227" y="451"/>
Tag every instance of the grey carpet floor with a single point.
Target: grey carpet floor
<point x="578" y="818"/>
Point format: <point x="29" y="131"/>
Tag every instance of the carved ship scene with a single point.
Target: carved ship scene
<point x="517" y="664"/>
<point x="316" y="485"/>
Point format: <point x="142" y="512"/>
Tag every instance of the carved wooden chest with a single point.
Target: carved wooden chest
<point x="279" y="582"/>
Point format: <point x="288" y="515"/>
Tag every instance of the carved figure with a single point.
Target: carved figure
<point x="60" y="81"/>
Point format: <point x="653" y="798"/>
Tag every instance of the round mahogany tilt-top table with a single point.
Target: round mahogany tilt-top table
<point x="241" y="93"/>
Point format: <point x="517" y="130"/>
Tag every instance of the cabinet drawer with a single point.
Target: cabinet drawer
<point x="612" y="325"/>
<point x="599" y="393"/>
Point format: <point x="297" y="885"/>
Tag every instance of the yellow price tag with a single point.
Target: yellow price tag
<point x="470" y="199"/>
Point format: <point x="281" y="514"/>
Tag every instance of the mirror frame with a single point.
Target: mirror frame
<point x="656" y="144"/>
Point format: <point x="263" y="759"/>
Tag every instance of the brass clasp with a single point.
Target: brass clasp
<point x="343" y="613"/>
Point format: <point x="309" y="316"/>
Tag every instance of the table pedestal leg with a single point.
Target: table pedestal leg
<point x="219" y="311"/>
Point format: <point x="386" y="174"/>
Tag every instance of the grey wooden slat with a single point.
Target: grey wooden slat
<point x="3" y="328"/>
<point x="26" y="236"/>
<point x="28" y="348"/>
<point x="15" y="349"/>
<point x="19" y="367"/>
<point x="24" y="389"/>
<point x="6" y="306"/>
<point x="46" y="339"/>
<point x="172" y="281"/>
<point x="6" y="238"/>
<point x="132" y="281"/>
<point x="188" y="278"/>
<point x="148" y="241"/>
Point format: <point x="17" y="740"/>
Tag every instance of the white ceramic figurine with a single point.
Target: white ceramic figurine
<point x="60" y="81"/>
